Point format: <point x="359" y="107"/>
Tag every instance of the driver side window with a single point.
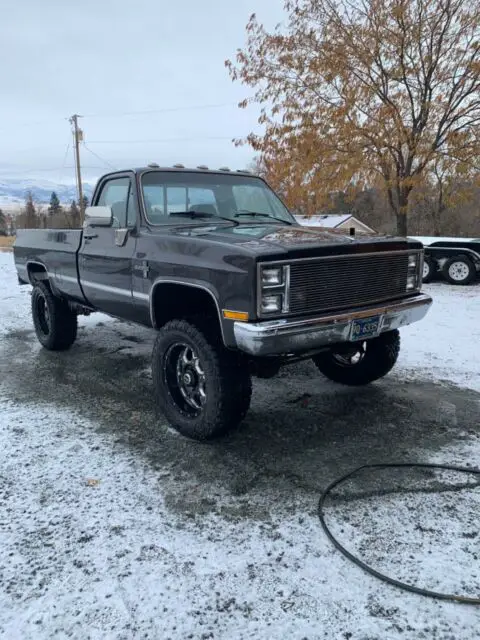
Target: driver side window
<point x="115" y="194"/>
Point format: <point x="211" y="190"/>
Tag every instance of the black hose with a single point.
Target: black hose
<point x="366" y="567"/>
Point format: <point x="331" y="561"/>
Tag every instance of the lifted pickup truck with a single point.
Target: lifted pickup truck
<point x="217" y="264"/>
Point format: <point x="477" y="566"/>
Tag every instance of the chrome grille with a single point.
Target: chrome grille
<point x="347" y="281"/>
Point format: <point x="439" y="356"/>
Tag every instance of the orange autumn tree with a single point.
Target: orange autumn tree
<point x="353" y="90"/>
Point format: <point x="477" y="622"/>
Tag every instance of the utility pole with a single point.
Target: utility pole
<point x="77" y="138"/>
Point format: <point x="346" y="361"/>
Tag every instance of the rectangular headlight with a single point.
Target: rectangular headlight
<point x="271" y="303"/>
<point x="272" y="276"/>
<point x="413" y="272"/>
<point x="413" y="259"/>
<point x="411" y="282"/>
<point x="273" y="292"/>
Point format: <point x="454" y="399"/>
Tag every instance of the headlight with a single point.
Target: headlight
<point x="272" y="276"/>
<point x="413" y="272"/>
<point x="411" y="282"/>
<point x="413" y="260"/>
<point x="273" y="289"/>
<point x="271" y="303"/>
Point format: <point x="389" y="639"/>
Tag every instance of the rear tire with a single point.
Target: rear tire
<point x="203" y="389"/>
<point x="55" y="323"/>
<point x="459" y="270"/>
<point x="376" y="358"/>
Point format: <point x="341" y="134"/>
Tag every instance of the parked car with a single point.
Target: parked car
<point x="455" y="259"/>
<point x="215" y="262"/>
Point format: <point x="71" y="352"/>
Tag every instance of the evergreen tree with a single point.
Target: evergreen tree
<point x="3" y="224"/>
<point x="30" y="212"/>
<point x="74" y="213"/>
<point x="54" y="206"/>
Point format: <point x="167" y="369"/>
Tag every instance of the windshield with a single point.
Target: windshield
<point x="235" y="197"/>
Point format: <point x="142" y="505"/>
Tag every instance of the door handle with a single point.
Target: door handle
<point x="89" y="236"/>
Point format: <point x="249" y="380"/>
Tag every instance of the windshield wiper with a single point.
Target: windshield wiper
<point x="260" y="215"/>
<point x="201" y="214"/>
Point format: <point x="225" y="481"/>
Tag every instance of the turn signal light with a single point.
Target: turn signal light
<point x="235" y="315"/>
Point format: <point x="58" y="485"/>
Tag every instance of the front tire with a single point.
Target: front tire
<point x="203" y="390"/>
<point x="357" y="364"/>
<point x="55" y="323"/>
<point x="459" y="270"/>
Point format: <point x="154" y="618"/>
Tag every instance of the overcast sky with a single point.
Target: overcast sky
<point x="104" y="58"/>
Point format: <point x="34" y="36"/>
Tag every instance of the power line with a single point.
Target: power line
<point x="63" y="164"/>
<point x="159" y="140"/>
<point x="8" y="174"/>
<point x="198" y="107"/>
<point x="42" y="147"/>
<point x="29" y="123"/>
<point x="113" y="114"/>
<point x="57" y="168"/>
<point x="98" y="157"/>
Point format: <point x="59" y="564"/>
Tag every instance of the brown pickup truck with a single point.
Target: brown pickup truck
<point x="215" y="262"/>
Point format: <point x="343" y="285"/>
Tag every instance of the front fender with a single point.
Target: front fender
<point x="226" y="325"/>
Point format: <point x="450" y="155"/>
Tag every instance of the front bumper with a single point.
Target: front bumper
<point x="276" y="337"/>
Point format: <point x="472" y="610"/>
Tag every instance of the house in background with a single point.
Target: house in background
<point x="343" y="222"/>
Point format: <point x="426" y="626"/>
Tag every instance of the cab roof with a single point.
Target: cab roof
<point x="178" y="168"/>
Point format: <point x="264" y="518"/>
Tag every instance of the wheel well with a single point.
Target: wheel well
<point x="36" y="271"/>
<point x="461" y="256"/>
<point x="449" y="253"/>
<point x="172" y="301"/>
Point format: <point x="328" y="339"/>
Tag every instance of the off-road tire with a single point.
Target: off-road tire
<point x="430" y="275"/>
<point x="469" y="269"/>
<point x="228" y="384"/>
<point x="379" y="358"/>
<point x="55" y="323"/>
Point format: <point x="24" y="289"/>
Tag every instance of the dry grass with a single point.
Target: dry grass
<point x="6" y="241"/>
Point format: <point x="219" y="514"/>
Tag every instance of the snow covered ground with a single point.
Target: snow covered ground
<point x="446" y="345"/>
<point x="113" y="527"/>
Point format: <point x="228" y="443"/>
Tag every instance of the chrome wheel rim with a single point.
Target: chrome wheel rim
<point x="426" y="269"/>
<point x="458" y="271"/>
<point x="184" y="378"/>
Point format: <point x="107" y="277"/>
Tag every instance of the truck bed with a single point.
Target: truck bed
<point x="55" y="249"/>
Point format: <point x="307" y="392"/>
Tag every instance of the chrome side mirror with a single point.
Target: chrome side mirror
<point x="98" y="216"/>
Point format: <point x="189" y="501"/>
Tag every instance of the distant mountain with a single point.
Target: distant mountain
<point x="13" y="191"/>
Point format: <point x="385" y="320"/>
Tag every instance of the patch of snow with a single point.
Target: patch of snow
<point x="445" y="345"/>
<point x="89" y="549"/>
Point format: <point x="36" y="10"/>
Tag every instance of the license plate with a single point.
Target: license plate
<point x="364" y="328"/>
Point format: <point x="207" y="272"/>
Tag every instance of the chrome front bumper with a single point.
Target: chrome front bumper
<point x="277" y="337"/>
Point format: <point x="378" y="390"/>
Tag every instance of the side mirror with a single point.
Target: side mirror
<point x="98" y="217"/>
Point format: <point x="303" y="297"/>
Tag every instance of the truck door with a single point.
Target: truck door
<point x="105" y="257"/>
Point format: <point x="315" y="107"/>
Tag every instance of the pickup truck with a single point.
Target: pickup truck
<point x="234" y="286"/>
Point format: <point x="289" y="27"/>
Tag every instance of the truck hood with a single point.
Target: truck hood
<point x="292" y="241"/>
